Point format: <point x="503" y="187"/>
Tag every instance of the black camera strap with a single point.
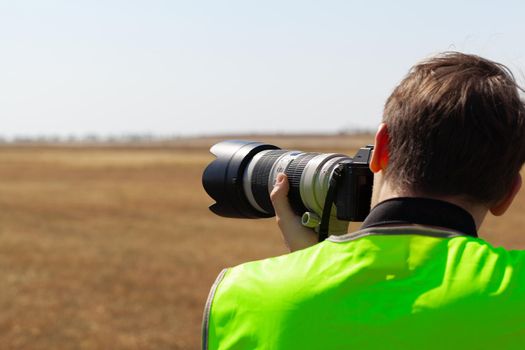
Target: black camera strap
<point x="329" y="201"/>
<point x="403" y="211"/>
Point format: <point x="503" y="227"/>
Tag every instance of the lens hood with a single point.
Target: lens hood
<point x="223" y="178"/>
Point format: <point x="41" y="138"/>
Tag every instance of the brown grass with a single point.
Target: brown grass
<point x="114" y="248"/>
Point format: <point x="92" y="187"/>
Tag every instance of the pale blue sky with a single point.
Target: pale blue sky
<point x="205" y="67"/>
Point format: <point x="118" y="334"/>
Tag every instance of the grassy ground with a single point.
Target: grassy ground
<point x="114" y="248"/>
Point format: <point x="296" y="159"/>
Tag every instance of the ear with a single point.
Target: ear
<point x="379" y="159"/>
<point x="501" y="207"/>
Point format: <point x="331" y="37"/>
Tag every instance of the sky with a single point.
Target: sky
<point x="187" y="68"/>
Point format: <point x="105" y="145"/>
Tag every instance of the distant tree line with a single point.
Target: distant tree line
<point x="87" y="139"/>
<point x="147" y="138"/>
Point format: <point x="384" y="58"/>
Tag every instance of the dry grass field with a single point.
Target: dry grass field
<point x="114" y="248"/>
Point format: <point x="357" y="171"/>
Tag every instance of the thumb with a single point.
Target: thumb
<point x="295" y="235"/>
<point x="279" y="196"/>
<point x="281" y="187"/>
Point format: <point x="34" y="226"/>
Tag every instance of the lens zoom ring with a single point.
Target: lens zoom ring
<point x="294" y="173"/>
<point x="260" y="178"/>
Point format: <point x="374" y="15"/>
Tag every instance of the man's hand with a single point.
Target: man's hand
<point x="295" y="235"/>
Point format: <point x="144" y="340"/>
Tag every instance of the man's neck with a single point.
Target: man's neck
<point x="383" y="191"/>
<point x="427" y="212"/>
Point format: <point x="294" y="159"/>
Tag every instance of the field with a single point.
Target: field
<point x="105" y="247"/>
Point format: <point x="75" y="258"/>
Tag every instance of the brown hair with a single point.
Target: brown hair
<point x="456" y="127"/>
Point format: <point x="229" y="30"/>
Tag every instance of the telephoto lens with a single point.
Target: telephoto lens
<point x="243" y="174"/>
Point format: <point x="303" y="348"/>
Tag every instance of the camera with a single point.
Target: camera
<point x="326" y="189"/>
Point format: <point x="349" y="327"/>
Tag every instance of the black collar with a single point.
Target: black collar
<point x="421" y="211"/>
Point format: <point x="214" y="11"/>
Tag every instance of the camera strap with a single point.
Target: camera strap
<point x="403" y="211"/>
<point x="329" y="201"/>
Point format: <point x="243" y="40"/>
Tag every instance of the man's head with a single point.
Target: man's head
<point x="454" y="127"/>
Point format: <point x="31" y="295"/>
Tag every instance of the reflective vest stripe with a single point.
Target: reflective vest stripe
<point x="207" y="309"/>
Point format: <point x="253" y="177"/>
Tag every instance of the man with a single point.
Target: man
<point x="416" y="276"/>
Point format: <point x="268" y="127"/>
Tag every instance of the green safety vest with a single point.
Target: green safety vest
<point x="380" y="288"/>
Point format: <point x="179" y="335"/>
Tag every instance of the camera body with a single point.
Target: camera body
<point x="354" y="190"/>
